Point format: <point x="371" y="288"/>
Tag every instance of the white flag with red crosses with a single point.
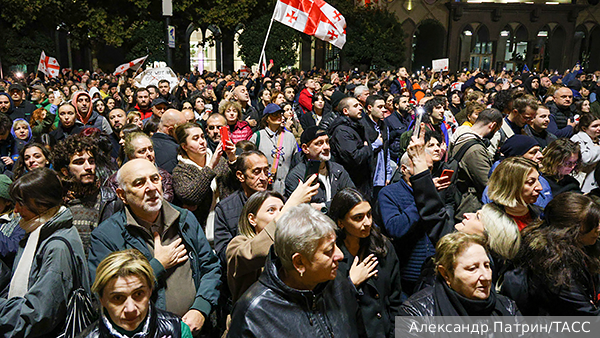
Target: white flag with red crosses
<point x="48" y="65"/>
<point x="134" y="65"/>
<point x="313" y="17"/>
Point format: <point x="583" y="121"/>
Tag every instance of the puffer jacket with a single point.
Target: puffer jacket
<point x="422" y="304"/>
<point x="270" y="308"/>
<point x="162" y="324"/>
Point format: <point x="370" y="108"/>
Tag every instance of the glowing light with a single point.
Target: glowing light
<point x="468" y="33"/>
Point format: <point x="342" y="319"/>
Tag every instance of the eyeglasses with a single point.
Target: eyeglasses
<point x="570" y="163"/>
<point x="213" y="127"/>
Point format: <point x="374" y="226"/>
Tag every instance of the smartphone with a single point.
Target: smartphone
<point x="271" y="61"/>
<point x="447" y="174"/>
<point x="57" y="93"/>
<point x="312" y="167"/>
<point x="224" y="131"/>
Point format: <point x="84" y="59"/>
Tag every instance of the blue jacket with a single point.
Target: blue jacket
<point x="112" y="235"/>
<point x="415" y="222"/>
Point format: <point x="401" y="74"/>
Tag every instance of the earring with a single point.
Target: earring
<point x="301" y="274"/>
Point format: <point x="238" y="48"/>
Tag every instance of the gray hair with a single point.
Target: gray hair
<point x="300" y="230"/>
<point x="359" y="90"/>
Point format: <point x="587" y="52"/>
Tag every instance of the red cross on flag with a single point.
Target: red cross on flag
<point x="134" y="65"/>
<point x="313" y="17"/>
<point x="48" y="65"/>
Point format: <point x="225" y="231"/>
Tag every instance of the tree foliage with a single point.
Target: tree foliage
<point x="149" y="40"/>
<point x="374" y="36"/>
<point x="282" y="45"/>
<point x="24" y="47"/>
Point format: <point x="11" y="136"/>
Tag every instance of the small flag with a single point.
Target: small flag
<point x="263" y="65"/>
<point x="525" y="69"/>
<point x="48" y="65"/>
<point x="133" y="65"/>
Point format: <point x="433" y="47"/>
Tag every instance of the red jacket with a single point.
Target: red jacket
<point x="305" y="100"/>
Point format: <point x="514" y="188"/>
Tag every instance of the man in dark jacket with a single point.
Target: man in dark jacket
<point x="562" y="112"/>
<point x="300" y="292"/>
<point x="397" y="123"/>
<point x="332" y="176"/>
<point x="164" y="88"/>
<point x="165" y="146"/>
<point x="21" y="107"/>
<point x="350" y="147"/>
<point x="252" y="171"/>
<point x="414" y="215"/>
<point x="186" y="270"/>
<point x="376" y="132"/>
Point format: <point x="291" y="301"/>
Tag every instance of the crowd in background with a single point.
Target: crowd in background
<point x="320" y="202"/>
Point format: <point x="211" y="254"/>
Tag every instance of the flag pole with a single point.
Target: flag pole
<point x="266" y="38"/>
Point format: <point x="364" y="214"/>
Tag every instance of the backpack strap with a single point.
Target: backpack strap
<point x="76" y="278"/>
<point x="468" y="144"/>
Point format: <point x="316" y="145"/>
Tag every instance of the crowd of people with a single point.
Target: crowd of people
<point x="320" y="203"/>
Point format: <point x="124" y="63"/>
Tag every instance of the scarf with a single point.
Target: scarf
<point x="19" y="284"/>
<point x="450" y="303"/>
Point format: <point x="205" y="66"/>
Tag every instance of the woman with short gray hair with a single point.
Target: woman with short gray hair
<point x="300" y="281"/>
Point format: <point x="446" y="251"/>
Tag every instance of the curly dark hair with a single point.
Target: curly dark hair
<point x="73" y="144"/>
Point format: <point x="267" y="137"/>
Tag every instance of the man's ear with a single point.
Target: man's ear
<point x="304" y="147"/>
<point x="299" y="263"/>
<point x="240" y="176"/>
<point x="121" y="195"/>
<point x="64" y="172"/>
<point x="493" y="126"/>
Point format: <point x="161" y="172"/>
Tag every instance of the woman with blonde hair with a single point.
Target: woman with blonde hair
<point x="463" y="285"/>
<point x="238" y="130"/>
<point x="515" y="186"/>
<point x="124" y="283"/>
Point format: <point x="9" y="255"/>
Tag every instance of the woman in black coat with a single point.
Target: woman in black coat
<point x="559" y="261"/>
<point x="369" y="260"/>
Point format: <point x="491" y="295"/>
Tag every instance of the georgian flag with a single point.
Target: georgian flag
<point x="263" y="65"/>
<point x="134" y="65"/>
<point x="48" y="65"/>
<point x="313" y="17"/>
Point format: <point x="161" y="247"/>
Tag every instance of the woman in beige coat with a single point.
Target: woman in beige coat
<point x="247" y="252"/>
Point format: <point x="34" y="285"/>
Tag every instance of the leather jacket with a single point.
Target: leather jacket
<point x="422" y="304"/>
<point x="162" y="324"/>
<point x="270" y="308"/>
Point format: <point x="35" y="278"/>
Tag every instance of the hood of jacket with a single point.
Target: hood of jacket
<point x="527" y="84"/>
<point x="12" y="104"/>
<point x="82" y="116"/>
<point x="344" y="120"/>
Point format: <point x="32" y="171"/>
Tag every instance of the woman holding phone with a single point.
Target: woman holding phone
<point x="198" y="177"/>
